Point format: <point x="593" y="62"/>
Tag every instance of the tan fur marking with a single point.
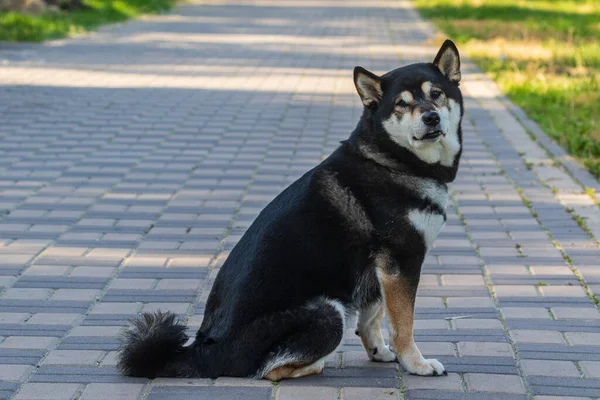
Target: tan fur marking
<point x="399" y="303"/>
<point x="289" y="371"/>
<point x="407" y="96"/>
<point x="426" y="87"/>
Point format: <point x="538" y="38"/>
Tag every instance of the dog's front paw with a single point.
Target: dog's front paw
<point x="382" y="354"/>
<point x="425" y="367"/>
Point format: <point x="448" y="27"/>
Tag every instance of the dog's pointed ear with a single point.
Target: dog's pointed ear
<point x="448" y="61"/>
<point x="368" y="86"/>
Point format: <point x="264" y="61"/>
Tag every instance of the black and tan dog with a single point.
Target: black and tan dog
<point x="349" y="235"/>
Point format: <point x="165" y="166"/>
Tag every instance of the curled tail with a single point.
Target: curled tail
<point x="155" y="347"/>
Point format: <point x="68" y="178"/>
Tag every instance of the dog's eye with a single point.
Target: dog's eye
<point x="402" y="103"/>
<point x="435" y="94"/>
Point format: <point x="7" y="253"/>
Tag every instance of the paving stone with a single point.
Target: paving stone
<point x="515" y="290"/>
<point x="359" y="359"/>
<point x="47" y="270"/>
<point x="28" y="294"/>
<point x="169" y="284"/>
<point x="579" y="338"/>
<point x="576" y="313"/>
<point x="110" y="331"/>
<point x="565" y="291"/>
<point x="307" y="393"/>
<point x="477" y="324"/>
<point x="484" y="349"/>
<point x="97" y="272"/>
<point x="351" y="377"/>
<point x="48" y="391"/>
<point x="591" y="369"/>
<point x="449" y="382"/>
<point x="212" y="393"/>
<point x="116" y="308"/>
<point x="121" y="283"/>
<point x="75" y="294"/>
<point x="436" y="348"/>
<point x="535" y="336"/>
<point x="526" y="312"/>
<point x="550" y="368"/>
<point x="177" y="308"/>
<point x="564" y="386"/>
<point x="354" y="393"/>
<point x="12" y="318"/>
<point x="470" y="302"/>
<point x="494" y="383"/>
<point x="26" y="342"/>
<point x="102" y="391"/>
<point x="425" y="394"/>
<point x="14" y="372"/>
<point x="53" y="319"/>
<point x="69" y="357"/>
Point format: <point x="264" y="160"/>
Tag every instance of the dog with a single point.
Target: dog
<point x="350" y="235"/>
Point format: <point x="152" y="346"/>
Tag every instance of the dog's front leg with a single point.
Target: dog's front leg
<point x="399" y="294"/>
<point x="369" y="330"/>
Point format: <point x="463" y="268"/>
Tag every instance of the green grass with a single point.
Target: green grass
<point x="544" y="54"/>
<point x="16" y="27"/>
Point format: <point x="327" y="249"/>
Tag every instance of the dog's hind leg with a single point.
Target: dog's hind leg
<point x="291" y="372"/>
<point x="368" y="328"/>
<point x="303" y="351"/>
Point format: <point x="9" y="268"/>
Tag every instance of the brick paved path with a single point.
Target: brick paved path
<point x="133" y="159"/>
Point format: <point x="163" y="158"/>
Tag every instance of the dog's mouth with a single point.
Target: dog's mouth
<point x="430" y="136"/>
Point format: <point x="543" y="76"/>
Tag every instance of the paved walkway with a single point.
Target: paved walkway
<point x="133" y="159"/>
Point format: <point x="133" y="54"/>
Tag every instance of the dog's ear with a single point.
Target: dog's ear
<point x="368" y="86"/>
<point x="448" y="61"/>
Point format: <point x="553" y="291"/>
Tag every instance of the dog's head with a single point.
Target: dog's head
<point x="419" y="106"/>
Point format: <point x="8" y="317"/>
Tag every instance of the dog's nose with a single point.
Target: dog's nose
<point x="431" y="118"/>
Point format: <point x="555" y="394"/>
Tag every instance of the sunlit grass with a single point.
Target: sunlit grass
<point x="545" y="55"/>
<point x="16" y="27"/>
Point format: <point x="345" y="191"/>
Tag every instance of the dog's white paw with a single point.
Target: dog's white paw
<point x="382" y="354"/>
<point x="424" y="367"/>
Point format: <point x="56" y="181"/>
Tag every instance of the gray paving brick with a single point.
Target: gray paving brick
<point x="101" y="391"/>
<point x="20" y="356"/>
<point x="494" y="383"/>
<point x="33" y="330"/>
<point x="306" y="393"/>
<point x="60" y="282"/>
<point x="425" y="394"/>
<point x="81" y="374"/>
<point x="360" y="377"/>
<point x="146" y="296"/>
<point x="550" y="368"/>
<point x="212" y="393"/>
<point x="14" y="372"/>
<point x="37" y="306"/>
<point x="565" y="386"/>
<point x="29" y="342"/>
<point x="69" y="357"/>
<point x="51" y="391"/>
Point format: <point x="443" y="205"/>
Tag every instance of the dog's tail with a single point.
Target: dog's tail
<point x="155" y="347"/>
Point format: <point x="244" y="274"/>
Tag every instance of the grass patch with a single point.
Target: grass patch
<point x="544" y="54"/>
<point x="16" y="27"/>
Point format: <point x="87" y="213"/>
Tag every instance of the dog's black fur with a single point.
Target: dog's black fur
<point x="322" y="247"/>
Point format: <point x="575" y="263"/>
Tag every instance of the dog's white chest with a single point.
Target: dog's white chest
<point x="429" y="222"/>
